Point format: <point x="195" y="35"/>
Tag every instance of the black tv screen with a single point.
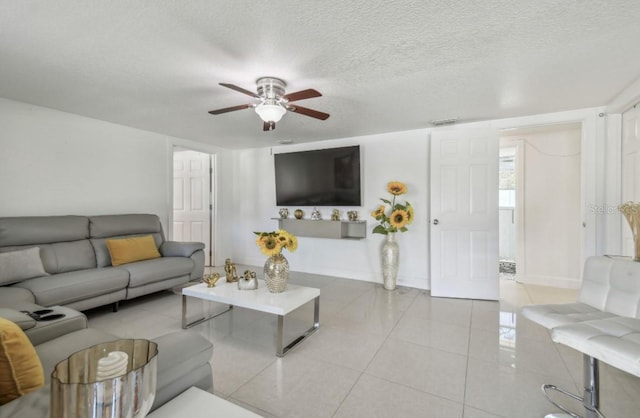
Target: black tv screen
<point x="326" y="177"/>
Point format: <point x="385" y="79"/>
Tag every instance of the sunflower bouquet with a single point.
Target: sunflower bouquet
<point x="272" y="243"/>
<point x="397" y="216"/>
<point x="631" y="211"/>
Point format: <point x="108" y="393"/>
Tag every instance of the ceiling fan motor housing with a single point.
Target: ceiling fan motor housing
<point x="270" y="87"/>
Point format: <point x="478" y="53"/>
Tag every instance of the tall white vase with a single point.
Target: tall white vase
<point x="390" y="257"/>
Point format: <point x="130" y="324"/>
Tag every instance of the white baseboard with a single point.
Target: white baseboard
<point x="367" y="276"/>
<point x="552" y="281"/>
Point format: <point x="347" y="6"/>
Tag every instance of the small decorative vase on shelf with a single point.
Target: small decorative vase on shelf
<point x="390" y="255"/>
<point x="276" y="273"/>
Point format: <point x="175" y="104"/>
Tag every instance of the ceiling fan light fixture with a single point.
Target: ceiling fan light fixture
<point x="270" y="112"/>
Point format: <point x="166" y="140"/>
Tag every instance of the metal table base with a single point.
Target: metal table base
<point x="281" y="349"/>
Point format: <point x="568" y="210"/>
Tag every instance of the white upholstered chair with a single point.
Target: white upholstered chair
<point x="603" y="324"/>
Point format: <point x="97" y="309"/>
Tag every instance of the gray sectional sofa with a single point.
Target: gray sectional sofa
<point x="71" y="271"/>
<point x="183" y="359"/>
<point x="77" y="264"/>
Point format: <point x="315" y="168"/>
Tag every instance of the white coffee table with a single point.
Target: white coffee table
<point x="261" y="300"/>
<point x="196" y="403"/>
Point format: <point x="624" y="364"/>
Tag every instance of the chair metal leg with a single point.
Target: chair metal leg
<point x="591" y="383"/>
<point x="590" y="396"/>
<point x="568" y="412"/>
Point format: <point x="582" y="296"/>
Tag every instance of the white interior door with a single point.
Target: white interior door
<point x="630" y="170"/>
<point x="464" y="213"/>
<point x="192" y="198"/>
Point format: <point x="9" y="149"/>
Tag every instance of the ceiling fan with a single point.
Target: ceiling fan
<point x="273" y="102"/>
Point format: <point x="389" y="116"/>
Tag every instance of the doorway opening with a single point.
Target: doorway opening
<point x="506" y="209"/>
<point x="193" y="198"/>
<point x="540" y="192"/>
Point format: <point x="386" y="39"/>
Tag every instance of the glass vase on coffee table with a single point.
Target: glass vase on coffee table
<point x="85" y="385"/>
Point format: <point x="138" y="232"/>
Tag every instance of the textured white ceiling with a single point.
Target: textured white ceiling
<point x="381" y="66"/>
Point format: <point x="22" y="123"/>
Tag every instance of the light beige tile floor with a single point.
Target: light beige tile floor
<point x="385" y="354"/>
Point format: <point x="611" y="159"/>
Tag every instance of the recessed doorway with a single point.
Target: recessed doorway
<point x="506" y="209"/>
<point x="193" y="198"/>
<point x="540" y="200"/>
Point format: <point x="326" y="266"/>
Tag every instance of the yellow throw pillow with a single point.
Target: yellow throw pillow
<point x="20" y="368"/>
<point x="128" y="250"/>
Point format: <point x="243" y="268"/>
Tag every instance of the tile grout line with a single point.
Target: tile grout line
<point x="374" y="354"/>
<point x="466" y="371"/>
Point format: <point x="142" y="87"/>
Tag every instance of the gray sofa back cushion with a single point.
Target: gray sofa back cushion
<point x="61" y="257"/>
<point x="28" y="230"/>
<point x="121" y="226"/>
<point x="107" y="226"/>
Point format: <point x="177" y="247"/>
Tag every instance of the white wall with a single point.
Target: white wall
<point x="53" y="162"/>
<point x="398" y="156"/>
<point x="57" y="163"/>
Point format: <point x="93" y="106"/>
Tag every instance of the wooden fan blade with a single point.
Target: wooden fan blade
<point x="268" y="126"/>
<point x="301" y="95"/>
<point x="229" y="109"/>
<point x="308" y="112"/>
<point x="240" y="89"/>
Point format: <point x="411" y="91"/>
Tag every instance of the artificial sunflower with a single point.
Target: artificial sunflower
<point x="270" y="246"/>
<point x="292" y="243"/>
<point x="399" y="218"/>
<point x="396" y="188"/>
<point x="272" y="243"/>
<point x="409" y="214"/>
<point x="401" y="214"/>
<point x="288" y="240"/>
<point x="378" y="212"/>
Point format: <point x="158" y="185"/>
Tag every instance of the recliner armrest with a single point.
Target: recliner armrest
<point x="23" y="320"/>
<point x="180" y="249"/>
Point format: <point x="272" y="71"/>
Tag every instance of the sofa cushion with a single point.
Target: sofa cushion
<point x="21" y="265"/>
<point x="61" y="257"/>
<point x="150" y="271"/>
<point x="103" y="258"/>
<point x="27" y="230"/>
<point x="129" y="250"/>
<point x="20" y="368"/>
<point x="107" y="226"/>
<point x="64" y="288"/>
<point x="54" y="351"/>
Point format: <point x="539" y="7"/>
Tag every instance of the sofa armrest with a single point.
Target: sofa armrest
<point x="23" y="320"/>
<point x="15" y="297"/>
<point x="180" y="249"/>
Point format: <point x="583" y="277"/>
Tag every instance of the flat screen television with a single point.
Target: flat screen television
<point x="325" y="177"/>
